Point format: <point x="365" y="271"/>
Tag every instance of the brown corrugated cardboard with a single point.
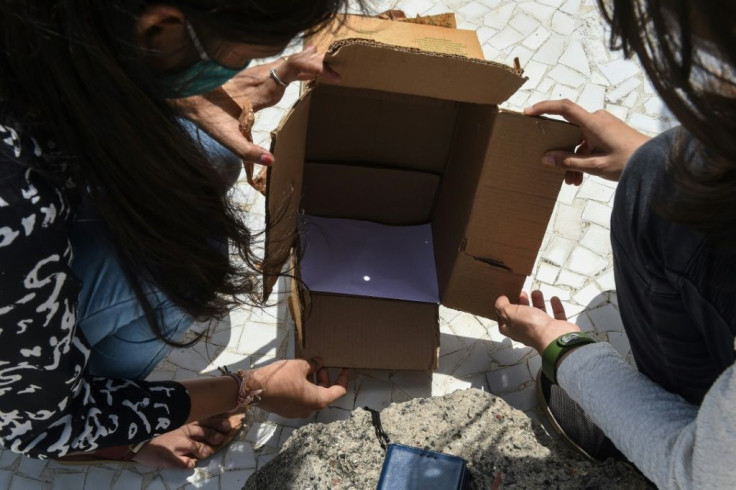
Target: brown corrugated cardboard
<point x="385" y="195"/>
<point x="409" y="34"/>
<point x="349" y="125"/>
<point x="439" y="20"/>
<point x="284" y="191"/>
<point x="408" y="138"/>
<point x="447" y="77"/>
<point x="371" y="332"/>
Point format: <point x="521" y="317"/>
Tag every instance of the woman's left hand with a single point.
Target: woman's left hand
<point x="289" y="389"/>
<point x="218" y="115"/>
<point x="218" y="112"/>
<point x="531" y="325"/>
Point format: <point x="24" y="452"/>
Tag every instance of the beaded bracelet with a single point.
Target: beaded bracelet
<point x="245" y="396"/>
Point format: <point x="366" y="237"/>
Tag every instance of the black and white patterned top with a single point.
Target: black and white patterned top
<point x="49" y="404"/>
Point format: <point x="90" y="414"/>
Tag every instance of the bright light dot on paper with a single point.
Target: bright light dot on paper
<point x="366" y="278"/>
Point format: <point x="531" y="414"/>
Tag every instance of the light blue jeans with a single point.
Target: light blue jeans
<point x="109" y="314"/>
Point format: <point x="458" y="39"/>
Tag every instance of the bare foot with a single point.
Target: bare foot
<point x="183" y="447"/>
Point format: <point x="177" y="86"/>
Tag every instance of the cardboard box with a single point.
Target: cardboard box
<point x="411" y="137"/>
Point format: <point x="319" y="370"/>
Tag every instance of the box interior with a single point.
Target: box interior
<point x="393" y="159"/>
<point x="396" y="159"/>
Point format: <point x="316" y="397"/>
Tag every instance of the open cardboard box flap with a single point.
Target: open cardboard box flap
<point x="283" y="191"/>
<point x="510" y="209"/>
<point x="369" y="64"/>
<point x="516" y="193"/>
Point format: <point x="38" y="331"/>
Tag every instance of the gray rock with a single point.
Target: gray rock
<point x="500" y="443"/>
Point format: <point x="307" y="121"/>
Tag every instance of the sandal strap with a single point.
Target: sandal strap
<point x="119" y="453"/>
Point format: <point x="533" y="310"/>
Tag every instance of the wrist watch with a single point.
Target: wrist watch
<point x="558" y="347"/>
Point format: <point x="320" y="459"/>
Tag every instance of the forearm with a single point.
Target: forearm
<point x="672" y="442"/>
<point x="210" y="396"/>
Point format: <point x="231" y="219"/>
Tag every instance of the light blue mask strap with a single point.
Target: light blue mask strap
<point x="197" y="43"/>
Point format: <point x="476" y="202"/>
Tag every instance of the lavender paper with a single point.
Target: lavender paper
<point x="362" y="258"/>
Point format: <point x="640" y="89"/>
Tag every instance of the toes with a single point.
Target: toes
<point x="187" y="463"/>
<point x="224" y="425"/>
<point x="201" y="450"/>
<point x="213" y="437"/>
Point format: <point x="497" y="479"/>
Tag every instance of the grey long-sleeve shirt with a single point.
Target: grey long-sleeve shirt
<point x="673" y="442"/>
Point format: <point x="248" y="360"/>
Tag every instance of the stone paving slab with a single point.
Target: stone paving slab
<point x="562" y="45"/>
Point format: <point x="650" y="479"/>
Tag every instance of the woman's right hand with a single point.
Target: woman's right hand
<point x="606" y="145"/>
<point x="296" y="388"/>
<point x="257" y="85"/>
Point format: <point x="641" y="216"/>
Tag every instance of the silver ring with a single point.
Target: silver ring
<point x="276" y="78"/>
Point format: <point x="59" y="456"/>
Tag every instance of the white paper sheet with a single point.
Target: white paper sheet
<point x="362" y="258"/>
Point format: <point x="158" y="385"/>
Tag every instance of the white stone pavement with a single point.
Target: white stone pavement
<point x="562" y="45"/>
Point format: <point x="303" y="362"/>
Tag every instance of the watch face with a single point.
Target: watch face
<point x="569" y="337"/>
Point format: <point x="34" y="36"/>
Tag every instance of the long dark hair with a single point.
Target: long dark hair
<point x="688" y="49"/>
<point x="73" y="69"/>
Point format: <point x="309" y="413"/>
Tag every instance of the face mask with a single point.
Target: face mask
<point x="202" y="77"/>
